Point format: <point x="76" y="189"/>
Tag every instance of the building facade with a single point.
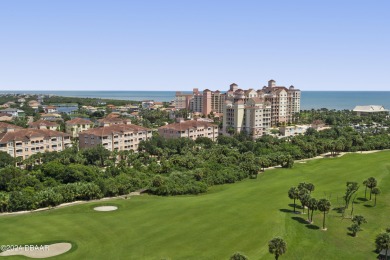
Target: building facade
<point x="75" y="126"/>
<point x="115" y="137"/>
<point x="26" y="142"/>
<point x="189" y="129"/>
<point x="43" y="124"/>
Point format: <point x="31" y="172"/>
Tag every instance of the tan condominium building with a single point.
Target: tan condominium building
<point x="252" y="116"/>
<point x="77" y="125"/>
<point x="26" y="142"/>
<point x="190" y="129"/>
<point x="44" y="124"/>
<point x="115" y="137"/>
<point x="202" y="102"/>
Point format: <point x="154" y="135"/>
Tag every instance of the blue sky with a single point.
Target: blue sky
<point x="179" y="45"/>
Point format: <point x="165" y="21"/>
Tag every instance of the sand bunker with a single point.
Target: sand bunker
<point x="43" y="251"/>
<point x="106" y="208"/>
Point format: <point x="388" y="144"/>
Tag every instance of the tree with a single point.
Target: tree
<point x="376" y="191"/>
<point x="359" y="219"/>
<point x="310" y="187"/>
<point x="277" y="246"/>
<point x="311" y="205"/>
<point x="352" y="187"/>
<point x="324" y="206"/>
<point x="371" y="183"/>
<point x="293" y="193"/>
<point x="238" y="256"/>
<point x="5" y="159"/>
<point x="304" y="197"/>
<point x="382" y="242"/>
<point x="354" y="228"/>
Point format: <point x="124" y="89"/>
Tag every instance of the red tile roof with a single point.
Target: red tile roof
<point x="112" y="129"/>
<point x="27" y="134"/>
<point x="43" y="123"/>
<point x="79" y="121"/>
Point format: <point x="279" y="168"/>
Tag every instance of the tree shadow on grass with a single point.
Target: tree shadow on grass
<point x="368" y="206"/>
<point x="286" y="210"/>
<point x="300" y="220"/>
<point x="311" y="226"/>
<point x="296" y="206"/>
<point x="339" y="209"/>
<point x="361" y="199"/>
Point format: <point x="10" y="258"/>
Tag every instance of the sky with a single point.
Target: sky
<point x="180" y="45"/>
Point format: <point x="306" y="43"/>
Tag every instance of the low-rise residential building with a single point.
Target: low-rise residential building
<point x="369" y="110"/>
<point x="50" y="109"/>
<point x="14" y="112"/>
<point x="5" y="117"/>
<point x="115" y="137"/>
<point x="147" y="104"/>
<point x="5" y="127"/>
<point x="26" y="142"/>
<point x="51" y="117"/>
<point x="190" y="129"/>
<point x="34" y="104"/>
<point x="293" y="130"/>
<point x="77" y="125"/>
<point x="44" y="124"/>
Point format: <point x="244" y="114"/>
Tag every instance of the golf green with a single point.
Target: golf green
<point x="237" y="217"/>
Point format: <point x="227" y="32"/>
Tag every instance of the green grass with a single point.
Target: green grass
<point x="239" y="217"/>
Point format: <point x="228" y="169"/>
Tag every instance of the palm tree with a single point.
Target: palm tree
<point x="371" y="183"/>
<point x="312" y="205"/>
<point x="310" y="187"/>
<point x="304" y="197"/>
<point x="238" y="256"/>
<point x="293" y="193"/>
<point x="359" y="219"/>
<point x="382" y="242"/>
<point x="324" y="206"/>
<point x="376" y="191"/>
<point x="354" y="228"/>
<point x="277" y="246"/>
<point x="365" y="182"/>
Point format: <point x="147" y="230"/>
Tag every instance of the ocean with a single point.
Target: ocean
<point x="309" y="100"/>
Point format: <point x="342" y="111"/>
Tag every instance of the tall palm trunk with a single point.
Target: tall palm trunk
<point x="311" y="219"/>
<point x="370" y="193"/>
<point x="375" y="201"/>
<point x="365" y="193"/>
<point x="323" y="223"/>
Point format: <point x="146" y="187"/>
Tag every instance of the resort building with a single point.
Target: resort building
<point x="43" y="124"/>
<point x="77" y="125"/>
<point x="369" y="110"/>
<point x="285" y="102"/>
<point x="115" y="137"/>
<point x="190" y="129"/>
<point x="252" y="116"/>
<point x="26" y="142"/>
<point x="182" y="101"/>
